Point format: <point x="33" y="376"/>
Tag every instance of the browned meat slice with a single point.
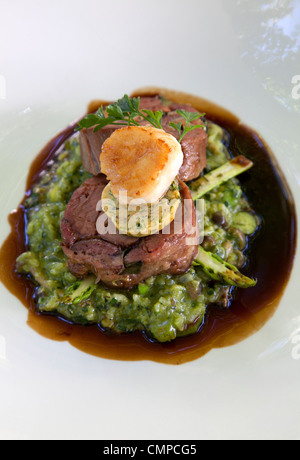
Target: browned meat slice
<point x="91" y="145"/>
<point x="153" y="103"/>
<point x="194" y="154"/>
<point x="82" y="212"/>
<point x="96" y="256"/>
<point x="193" y="144"/>
<point x="119" y="260"/>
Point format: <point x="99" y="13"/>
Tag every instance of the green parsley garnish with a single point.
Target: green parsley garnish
<point x="189" y="117"/>
<point x="126" y="112"/>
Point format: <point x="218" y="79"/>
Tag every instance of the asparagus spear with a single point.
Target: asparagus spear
<point x="79" y="291"/>
<point x="219" y="175"/>
<point x="222" y="271"/>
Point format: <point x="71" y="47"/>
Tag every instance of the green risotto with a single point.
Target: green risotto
<point x="163" y="306"/>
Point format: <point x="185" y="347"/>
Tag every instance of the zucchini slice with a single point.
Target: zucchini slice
<point x="246" y="222"/>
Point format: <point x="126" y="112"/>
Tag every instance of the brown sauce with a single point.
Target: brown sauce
<point x="271" y="257"/>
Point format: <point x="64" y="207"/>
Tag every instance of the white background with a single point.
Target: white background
<point x="54" y="58"/>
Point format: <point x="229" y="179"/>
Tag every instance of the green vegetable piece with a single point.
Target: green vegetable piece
<point x="222" y="271"/>
<point x="143" y="288"/>
<point x="79" y="291"/>
<point x="209" y="181"/>
<point x="245" y="222"/>
<point x="28" y="262"/>
<point x="229" y="199"/>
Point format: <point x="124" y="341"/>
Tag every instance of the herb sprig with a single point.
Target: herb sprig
<point x="189" y="117"/>
<point x="126" y="112"/>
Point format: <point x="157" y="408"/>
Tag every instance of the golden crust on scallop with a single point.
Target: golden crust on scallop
<point x="141" y="161"/>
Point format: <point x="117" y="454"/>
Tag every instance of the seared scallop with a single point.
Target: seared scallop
<point x="141" y="162"/>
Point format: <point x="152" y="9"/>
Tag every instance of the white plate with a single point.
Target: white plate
<point x="55" y="57"/>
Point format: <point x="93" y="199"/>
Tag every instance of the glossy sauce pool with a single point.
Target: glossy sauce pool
<point x="271" y="256"/>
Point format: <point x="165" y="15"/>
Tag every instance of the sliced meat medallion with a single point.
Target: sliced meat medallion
<point x="120" y="260"/>
<point x="193" y="144"/>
